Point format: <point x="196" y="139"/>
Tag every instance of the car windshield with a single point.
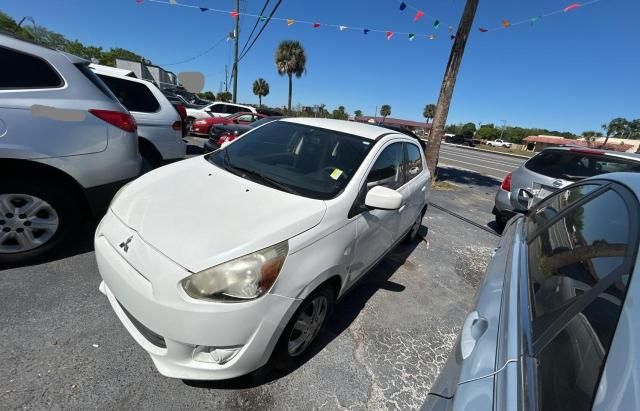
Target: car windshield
<point x="576" y="165"/>
<point x="300" y="159"/>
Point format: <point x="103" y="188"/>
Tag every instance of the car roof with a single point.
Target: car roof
<point x="349" y="127"/>
<point x="621" y="154"/>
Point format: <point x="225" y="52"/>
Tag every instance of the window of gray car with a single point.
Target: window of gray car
<point x="24" y="71"/>
<point x="413" y="163"/>
<point x="579" y="267"/>
<point x="387" y="171"/>
<point x="134" y="96"/>
<point x="574" y="165"/>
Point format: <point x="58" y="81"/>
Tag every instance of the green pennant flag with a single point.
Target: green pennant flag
<point x="262" y="18"/>
<point x="412" y="36"/>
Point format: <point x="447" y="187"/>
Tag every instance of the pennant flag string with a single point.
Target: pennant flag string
<point x="535" y="19"/>
<point x="388" y="33"/>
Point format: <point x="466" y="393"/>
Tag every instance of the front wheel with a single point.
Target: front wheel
<point x="303" y="328"/>
<point x="413" y="232"/>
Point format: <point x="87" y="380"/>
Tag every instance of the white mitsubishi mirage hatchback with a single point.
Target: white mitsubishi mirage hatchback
<point x="302" y="209"/>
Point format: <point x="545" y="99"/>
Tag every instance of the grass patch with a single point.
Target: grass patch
<point x="443" y="185"/>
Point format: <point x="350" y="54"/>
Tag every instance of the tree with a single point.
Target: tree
<point x="224" y="96"/>
<point x="488" y="132"/>
<point x="340" y="114"/>
<point x="357" y="113"/>
<point x="429" y="111"/>
<point x="291" y="59"/>
<point x="385" y="111"/>
<point x="620" y="127"/>
<point x="468" y="130"/>
<point x="448" y="84"/>
<point x="109" y="58"/>
<point x="208" y="95"/>
<point x="260" y="89"/>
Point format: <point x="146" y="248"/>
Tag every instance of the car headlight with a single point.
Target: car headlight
<point x="244" y="278"/>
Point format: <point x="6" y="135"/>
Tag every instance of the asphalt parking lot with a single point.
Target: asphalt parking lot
<point x="61" y="346"/>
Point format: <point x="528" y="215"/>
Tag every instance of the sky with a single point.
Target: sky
<point x="570" y="71"/>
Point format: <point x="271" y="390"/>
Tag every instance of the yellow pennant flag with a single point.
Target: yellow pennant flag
<point x="290" y="22"/>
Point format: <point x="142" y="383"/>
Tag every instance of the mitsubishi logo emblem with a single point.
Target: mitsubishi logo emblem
<point x="125" y="244"/>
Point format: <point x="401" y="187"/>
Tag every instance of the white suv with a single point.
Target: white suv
<point x="159" y="123"/>
<point x="303" y="209"/>
<point x="218" y="109"/>
<point x="66" y="146"/>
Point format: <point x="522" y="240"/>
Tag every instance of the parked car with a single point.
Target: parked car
<point x="218" y="109"/>
<point x="552" y="169"/>
<point x="159" y="122"/>
<point x="221" y="134"/>
<point x="304" y="208"/>
<point x="405" y="130"/>
<point x="66" y="146"/>
<point x="459" y="139"/>
<point x="554" y="323"/>
<point x="202" y="126"/>
<point x="499" y="143"/>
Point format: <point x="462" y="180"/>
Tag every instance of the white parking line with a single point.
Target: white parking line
<point x="476" y="165"/>
<point x="479" y="158"/>
<point x="444" y="164"/>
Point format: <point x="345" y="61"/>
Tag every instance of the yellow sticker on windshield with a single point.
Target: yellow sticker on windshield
<point x="336" y="173"/>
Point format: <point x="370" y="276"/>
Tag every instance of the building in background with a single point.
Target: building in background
<point x="420" y="128"/>
<point x="539" y="143"/>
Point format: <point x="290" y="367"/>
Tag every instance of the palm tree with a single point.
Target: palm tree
<point x="357" y="113"/>
<point x="429" y="112"/>
<point x="260" y="89"/>
<point x="290" y="59"/>
<point x="385" y="111"/>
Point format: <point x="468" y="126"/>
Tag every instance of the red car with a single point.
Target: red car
<point x="201" y="126"/>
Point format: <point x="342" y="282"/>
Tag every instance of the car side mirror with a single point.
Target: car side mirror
<point x="383" y="198"/>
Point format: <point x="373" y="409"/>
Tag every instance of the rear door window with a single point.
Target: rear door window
<point x="231" y="109"/>
<point x="580" y="262"/>
<point x="24" y="71"/>
<point x="577" y="165"/>
<point x="134" y="96"/>
<point x="413" y="163"/>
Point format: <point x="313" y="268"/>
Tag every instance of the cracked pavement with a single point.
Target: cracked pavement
<point x="61" y="346"/>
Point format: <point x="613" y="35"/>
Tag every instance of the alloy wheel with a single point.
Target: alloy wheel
<point x="307" y="325"/>
<point x="26" y="222"/>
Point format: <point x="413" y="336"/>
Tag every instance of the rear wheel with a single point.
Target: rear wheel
<point x="501" y="222"/>
<point x="35" y="219"/>
<point x="303" y="328"/>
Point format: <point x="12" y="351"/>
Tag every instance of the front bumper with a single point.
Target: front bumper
<point x="143" y="288"/>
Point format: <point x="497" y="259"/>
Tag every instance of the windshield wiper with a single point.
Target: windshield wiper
<point x="242" y="172"/>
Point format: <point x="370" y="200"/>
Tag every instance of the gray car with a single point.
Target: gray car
<point x="66" y="146"/>
<point x="552" y="169"/>
<point x="554" y="325"/>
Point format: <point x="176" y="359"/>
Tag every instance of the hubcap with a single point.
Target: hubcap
<point x="26" y="222"/>
<point x="307" y="325"/>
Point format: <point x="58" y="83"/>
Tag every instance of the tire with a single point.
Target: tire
<point x="415" y="228"/>
<point x="50" y="216"/>
<point x="284" y="356"/>
<point x="501" y="222"/>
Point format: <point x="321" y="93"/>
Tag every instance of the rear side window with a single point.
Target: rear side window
<point x="229" y="109"/>
<point x="575" y="165"/>
<point x="134" y="96"/>
<point x="413" y="164"/>
<point x="579" y="268"/>
<point x="24" y="71"/>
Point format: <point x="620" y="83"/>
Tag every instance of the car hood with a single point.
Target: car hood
<point x="200" y="215"/>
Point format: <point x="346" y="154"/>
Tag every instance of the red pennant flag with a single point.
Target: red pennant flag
<point x="316" y="25"/>
<point x="389" y="35"/>
<point x="234" y="14"/>
<point x="571" y="7"/>
<point x="483" y="30"/>
<point x="139" y="1"/>
<point x="418" y="15"/>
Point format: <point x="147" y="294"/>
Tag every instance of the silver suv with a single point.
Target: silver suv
<point x="66" y="146"/>
<point x="554" y="324"/>
<point x="552" y="169"/>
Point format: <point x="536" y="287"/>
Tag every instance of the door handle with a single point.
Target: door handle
<point x="424" y="188"/>
<point x="473" y="328"/>
<point x="402" y="208"/>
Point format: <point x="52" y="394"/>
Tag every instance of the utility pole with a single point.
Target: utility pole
<point x="235" y="53"/>
<point x="504" y="124"/>
<point x="448" y="84"/>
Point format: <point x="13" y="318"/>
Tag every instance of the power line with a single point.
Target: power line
<point x="258" y="20"/>
<point x="196" y="56"/>
<point x="261" y="29"/>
